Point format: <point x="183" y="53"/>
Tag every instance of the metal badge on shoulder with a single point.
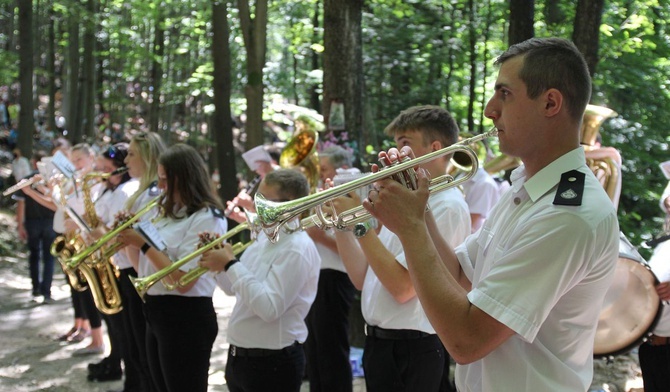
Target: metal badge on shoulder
<point x="153" y="189"/>
<point x="570" y="189"/>
<point x="217" y="213"/>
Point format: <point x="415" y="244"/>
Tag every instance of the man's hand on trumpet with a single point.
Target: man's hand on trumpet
<point x="217" y="259"/>
<point x="400" y="209"/>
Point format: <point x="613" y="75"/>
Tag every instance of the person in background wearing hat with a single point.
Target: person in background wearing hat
<point x="262" y="162"/>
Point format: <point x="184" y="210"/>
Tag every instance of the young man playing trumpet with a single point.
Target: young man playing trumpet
<point x="275" y="285"/>
<point x="402" y="351"/>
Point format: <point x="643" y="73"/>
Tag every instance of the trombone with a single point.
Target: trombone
<point x="274" y="215"/>
<point x="142" y="285"/>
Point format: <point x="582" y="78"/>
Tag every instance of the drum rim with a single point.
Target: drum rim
<point x="645" y="336"/>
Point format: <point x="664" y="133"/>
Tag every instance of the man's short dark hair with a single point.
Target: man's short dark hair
<point x="553" y="63"/>
<point x="291" y="183"/>
<point x="434" y="122"/>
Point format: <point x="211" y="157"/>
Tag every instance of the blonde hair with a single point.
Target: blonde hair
<point x="150" y="146"/>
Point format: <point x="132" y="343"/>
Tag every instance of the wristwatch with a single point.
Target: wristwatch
<point x="361" y="229"/>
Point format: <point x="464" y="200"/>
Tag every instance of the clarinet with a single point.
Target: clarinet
<point x="251" y="185"/>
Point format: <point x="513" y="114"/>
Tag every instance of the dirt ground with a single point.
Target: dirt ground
<point x="32" y="360"/>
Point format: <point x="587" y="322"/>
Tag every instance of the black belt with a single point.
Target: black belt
<point x="236" y="351"/>
<point x="394" y="334"/>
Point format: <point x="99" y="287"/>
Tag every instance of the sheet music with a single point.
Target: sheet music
<point x="151" y="235"/>
<point x="63" y="164"/>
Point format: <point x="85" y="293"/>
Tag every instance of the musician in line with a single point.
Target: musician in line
<point x="181" y="323"/>
<point x="35" y="225"/>
<point x="517" y="304"/>
<point x="261" y="160"/>
<point x="402" y="351"/>
<point x="275" y="285"/>
<point x="119" y="188"/>
<point x="63" y="198"/>
<point x="654" y="354"/>
<point x="327" y="347"/>
<point x="142" y="162"/>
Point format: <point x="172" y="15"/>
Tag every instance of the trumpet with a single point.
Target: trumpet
<point x="274" y="215"/>
<point x="74" y="261"/>
<point x="142" y="285"/>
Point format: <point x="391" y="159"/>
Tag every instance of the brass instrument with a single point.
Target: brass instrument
<point x="97" y="271"/>
<point x="142" y="285"/>
<point x="79" y="257"/>
<point x="273" y="215"/>
<point x="605" y="162"/>
<point x="195" y="273"/>
<point x="300" y="152"/>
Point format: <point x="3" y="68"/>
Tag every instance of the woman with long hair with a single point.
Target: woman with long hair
<point x="181" y="323"/>
<point x="142" y="162"/>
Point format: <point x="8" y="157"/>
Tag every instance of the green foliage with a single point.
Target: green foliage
<point x="414" y="52"/>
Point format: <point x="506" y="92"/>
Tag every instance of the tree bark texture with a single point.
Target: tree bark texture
<point x="343" y="65"/>
<point x="254" y="31"/>
<point x="586" y="31"/>
<point x="521" y="20"/>
<point x="222" y="129"/>
<point x="157" y="74"/>
<point x="26" y="66"/>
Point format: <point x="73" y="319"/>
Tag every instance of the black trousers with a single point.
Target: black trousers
<point x="406" y="365"/>
<point x="88" y="306"/>
<point x="180" y="335"/>
<point x="40" y="237"/>
<point x="655" y="366"/>
<point x="135" y="327"/>
<point x="327" y="345"/>
<point x="277" y="373"/>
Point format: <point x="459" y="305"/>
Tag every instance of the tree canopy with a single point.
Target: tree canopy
<point x="150" y="64"/>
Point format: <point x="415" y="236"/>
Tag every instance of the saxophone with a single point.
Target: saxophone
<point x="98" y="269"/>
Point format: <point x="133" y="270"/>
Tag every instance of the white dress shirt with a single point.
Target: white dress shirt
<point x="108" y="205"/>
<point x="181" y="238"/>
<point x="379" y="307"/>
<point x="542" y="270"/>
<point x="275" y="285"/>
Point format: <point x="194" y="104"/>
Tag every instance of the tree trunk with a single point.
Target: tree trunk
<point x="26" y="66"/>
<point x="87" y="77"/>
<point x="521" y="20"/>
<point x="157" y="72"/>
<point x="254" y="32"/>
<point x="51" y="71"/>
<point x="73" y="117"/>
<point x="343" y="65"/>
<point x="314" y="101"/>
<point x="473" y="36"/>
<point x="222" y="129"/>
<point x="586" y="30"/>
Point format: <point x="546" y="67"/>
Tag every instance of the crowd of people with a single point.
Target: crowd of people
<point x="508" y="286"/>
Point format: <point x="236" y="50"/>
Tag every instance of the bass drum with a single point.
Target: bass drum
<point x="631" y="307"/>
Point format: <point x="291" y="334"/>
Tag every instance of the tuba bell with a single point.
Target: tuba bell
<point x="605" y="162"/>
<point x="300" y="152"/>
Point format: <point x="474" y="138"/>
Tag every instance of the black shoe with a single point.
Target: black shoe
<point x="98" y="366"/>
<point x="108" y="374"/>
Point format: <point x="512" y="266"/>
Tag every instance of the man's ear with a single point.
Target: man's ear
<point x="553" y="102"/>
<point x="436" y="145"/>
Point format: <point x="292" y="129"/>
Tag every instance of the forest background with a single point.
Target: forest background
<point x="191" y="70"/>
